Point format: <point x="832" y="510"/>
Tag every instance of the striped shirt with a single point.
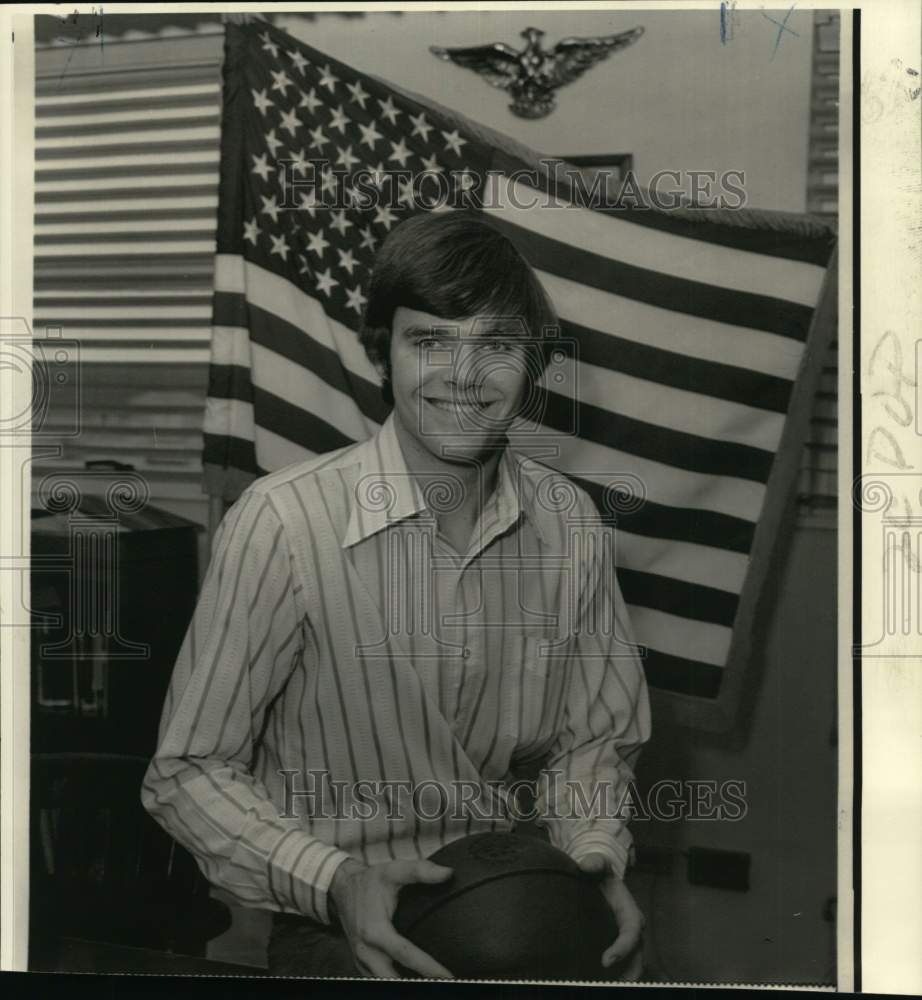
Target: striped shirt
<point x="347" y="671"/>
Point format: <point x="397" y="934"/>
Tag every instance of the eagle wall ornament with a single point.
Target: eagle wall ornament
<point x="532" y="75"/>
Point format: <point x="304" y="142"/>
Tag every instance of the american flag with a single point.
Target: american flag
<point x="695" y="350"/>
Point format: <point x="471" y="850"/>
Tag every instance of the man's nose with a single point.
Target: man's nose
<point x="466" y="369"/>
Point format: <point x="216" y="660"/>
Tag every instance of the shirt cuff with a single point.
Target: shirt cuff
<point x="311" y="875"/>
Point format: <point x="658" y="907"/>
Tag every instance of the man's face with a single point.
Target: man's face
<point x="459" y="384"/>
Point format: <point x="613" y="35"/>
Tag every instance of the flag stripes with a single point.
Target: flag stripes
<point x="692" y="298"/>
<point x="654" y="326"/>
<point x="679" y="371"/>
<point x="690" y="258"/>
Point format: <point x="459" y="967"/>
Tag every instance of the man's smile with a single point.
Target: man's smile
<point x="453" y="404"/>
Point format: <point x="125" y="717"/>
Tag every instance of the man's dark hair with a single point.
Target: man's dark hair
<point x="453" y="265"/>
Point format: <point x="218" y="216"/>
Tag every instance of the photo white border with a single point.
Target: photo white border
<point x="891" y="924"/>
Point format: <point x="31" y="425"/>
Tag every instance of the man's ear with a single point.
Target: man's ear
<point x="387" y="390"/>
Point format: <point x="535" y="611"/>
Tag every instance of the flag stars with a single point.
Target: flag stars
<point x="280" y="247"/>
<point x="346" y="157"/>
<point x="384" y="217"/>
<point x="370" y="135"/>
<point x="338" y="120"/>
<point x="421" y="127"/>
<point x="251" y="231"/>
<point x="303" y="266"/>
<point x="310" y="100"/>
<point x="318" y="139"/>
<point x="316" y="243"/>
<point x="359" y="96"/>
<point x="453" y="141"/>
<point x="328" y="181"/>
<point x="400" y="153"/>
<point x="309" y="203"/>
<point x="298" y="61"/>
<point x="368" y="240"/>
<point x="281" y="81"/>
<point x="326" y="282"/>
<point x="327" y="79"/>
<point x="290" y="122"/>
<point x="405" y="189"/>
<point x="355" y="299"/>
<point x="262" y="101"/>
<point x="299" y="161"/>
<point x="261" y="166"/>
<point x="388" y="110"/>
<point x="270" y="207"/>
<point x="353" y="198"/>
<point x="339" y="222"/>
<point x="378" y="174"/>
<point x="272" y="142"/>
<point x="431" y="165"/>
<point x="269" y="45"/>
<point x="347" y="260"/>
<point x="467" y="180"/>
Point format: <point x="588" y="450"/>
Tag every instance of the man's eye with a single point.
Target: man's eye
<point x="429" y="342"/>
<point x="500" y="347"/>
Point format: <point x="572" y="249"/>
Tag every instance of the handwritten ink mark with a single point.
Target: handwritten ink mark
<point x="782" y="27"/>
<point x="728" y="20"/>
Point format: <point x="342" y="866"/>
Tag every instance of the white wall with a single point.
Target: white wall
<point x="677" y="99"/>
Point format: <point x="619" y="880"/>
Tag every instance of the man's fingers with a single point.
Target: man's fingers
<point x="630" y="930"/>
<point x="413" y="958"/>
<point x="626" y="941"/>
<point x="375" y="963"/>
<point x="405" y="872"/>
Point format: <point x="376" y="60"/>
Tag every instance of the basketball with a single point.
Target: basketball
<point x="515" y="908"/>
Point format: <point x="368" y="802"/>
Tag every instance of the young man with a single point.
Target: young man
<point x="381" y="628"/>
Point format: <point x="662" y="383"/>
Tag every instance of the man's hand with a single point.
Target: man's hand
<point x="365" y="898"/>
<point x="627" y="914"/>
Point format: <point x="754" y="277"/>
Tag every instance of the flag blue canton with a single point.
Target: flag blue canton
<point x="333" y="161"/>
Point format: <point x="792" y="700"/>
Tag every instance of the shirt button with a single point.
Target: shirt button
<point x="466" y="653"/>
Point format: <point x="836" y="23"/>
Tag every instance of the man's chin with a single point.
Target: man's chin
<point x="464" y="448"/>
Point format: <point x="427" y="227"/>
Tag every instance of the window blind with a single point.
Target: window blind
<point x="126" y="148"/>
<point x="819" y="472"/>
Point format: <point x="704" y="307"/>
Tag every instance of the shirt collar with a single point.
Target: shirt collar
<point x="516" y="488"/>
<point x="385" y="492"/>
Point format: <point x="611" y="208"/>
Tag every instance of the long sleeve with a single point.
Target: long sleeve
<point x="245" y="640"/>
<point x="584" y="787"/>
